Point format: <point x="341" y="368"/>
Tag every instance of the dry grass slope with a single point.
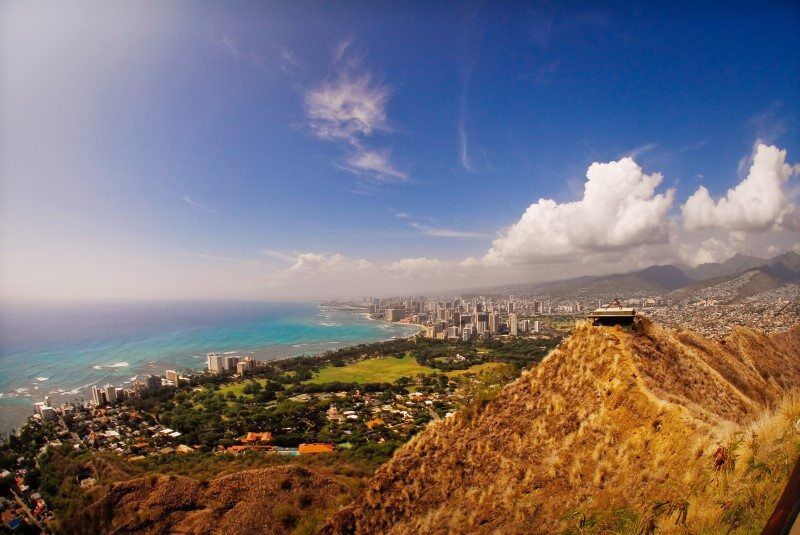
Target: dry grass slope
<point x="266" y="500"/>
<point x="615" y="431"/>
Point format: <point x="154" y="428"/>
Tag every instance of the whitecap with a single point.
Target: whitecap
<point x="97" y="367"/>
<point x="121" y="364"/>
<point x="42" y="379"/>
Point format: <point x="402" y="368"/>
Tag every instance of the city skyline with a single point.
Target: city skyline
<point x="158" y="150"/>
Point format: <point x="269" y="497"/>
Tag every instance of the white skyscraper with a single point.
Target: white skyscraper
<point x="111" y="394"/>
<point x="512" y="324"/>
<point x="215" y="363"/>
<point x="98" y="396"/>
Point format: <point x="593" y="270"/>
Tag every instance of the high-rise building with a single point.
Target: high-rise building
<point x="512" y="324"/>
<point x="48" y="413"/>
<point x="111" y="394"/>
<point x="215" y="363"/>
<point x="98" y="396"/>
<point x="173" y="377"/>
<point x="494" y="322"/>
<point x="395" y="314"/>
<point x="230" y="362"/>
<point x="466" y="333"/>
<point x="121" y="394"/>
<point x="536" y="326"/>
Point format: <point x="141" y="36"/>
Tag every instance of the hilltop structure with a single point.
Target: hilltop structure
<point x="613" y="315"/>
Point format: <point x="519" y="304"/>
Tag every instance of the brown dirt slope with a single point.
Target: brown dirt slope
<point x="266" y="500"/>
<point x="614" y="430"/>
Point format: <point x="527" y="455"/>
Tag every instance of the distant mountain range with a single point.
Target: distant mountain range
<point x="772" y="273"/>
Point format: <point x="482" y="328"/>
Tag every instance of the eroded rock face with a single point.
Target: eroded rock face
<point x="610" y="420"/>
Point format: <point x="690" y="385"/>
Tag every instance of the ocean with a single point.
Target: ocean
<point x="62" y="350"/>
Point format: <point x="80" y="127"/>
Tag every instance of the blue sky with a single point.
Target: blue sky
<point x="282" y="150"/>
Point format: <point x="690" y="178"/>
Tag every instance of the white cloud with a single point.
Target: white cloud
<point x="619" y="209"/>
<point x="200" y="206"/>
<point x="418" y="267"/>
<point x="320" y="263"/>
<point x="376" y="163"/>
<point x="757" y="203"/>
<point x="341" y="48"/>
<point x="348" y="107"/>
<point x="441" y="232"/>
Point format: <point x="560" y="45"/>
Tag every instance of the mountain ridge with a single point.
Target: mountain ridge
<point x="657" y="278"/>
<point x="609" y="421"/>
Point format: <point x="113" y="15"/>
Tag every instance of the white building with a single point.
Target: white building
<point x="215" y="363"/>
<point x="173" y="377"/>
<point x="512" y="325"/>
<point x="231" y="361"/>
<point x="111" y="394"/>
<point x="98" y="396"/>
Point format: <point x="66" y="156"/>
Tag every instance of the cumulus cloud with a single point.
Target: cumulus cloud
<point x="757" y="203"/>
<point x="619" y="209"/>
<point x="318" y="263"/>
<point x="418" y="267"/>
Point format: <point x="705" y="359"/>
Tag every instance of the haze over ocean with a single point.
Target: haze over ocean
<point x="63" y="350"/>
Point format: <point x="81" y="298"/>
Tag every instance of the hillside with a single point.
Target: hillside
<point x="735" y="265"/>
<point x="619" y="431"/>
<point x="265" y="500"/>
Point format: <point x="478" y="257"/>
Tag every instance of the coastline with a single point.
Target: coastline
<point x="69" y="379"/>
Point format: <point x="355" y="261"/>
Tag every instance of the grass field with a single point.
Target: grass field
<point x="237" y="387"/>
<point x="376" y="370"/>
<point x="478" y="369"/>
<point x="387" y="370"/>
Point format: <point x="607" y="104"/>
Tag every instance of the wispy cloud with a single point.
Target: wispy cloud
<point x="286" y="257"/>
<point x="275" y="56"/>
<point x="200" y="206"/>
<point x="375" y="163"/>
<point x="464" y="142"/>
<point x="214" y="257"/>
<point x="441" y="232"/>
<point x="227" y="43"/>
<point x="641" y="149"/>
<point x="341" y="48"/>
<point x="463" y="139"/>
<point x="349" y="109"/>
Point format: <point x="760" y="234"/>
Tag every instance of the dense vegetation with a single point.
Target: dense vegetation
<point x="216" y="412"/>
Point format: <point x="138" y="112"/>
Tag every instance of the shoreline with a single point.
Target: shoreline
<point x="15" y="409"/>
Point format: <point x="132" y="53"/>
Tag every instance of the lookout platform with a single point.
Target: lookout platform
<point x="613" y="315"/>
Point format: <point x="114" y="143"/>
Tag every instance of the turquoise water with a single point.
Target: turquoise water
<point x="62" y="351"/>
